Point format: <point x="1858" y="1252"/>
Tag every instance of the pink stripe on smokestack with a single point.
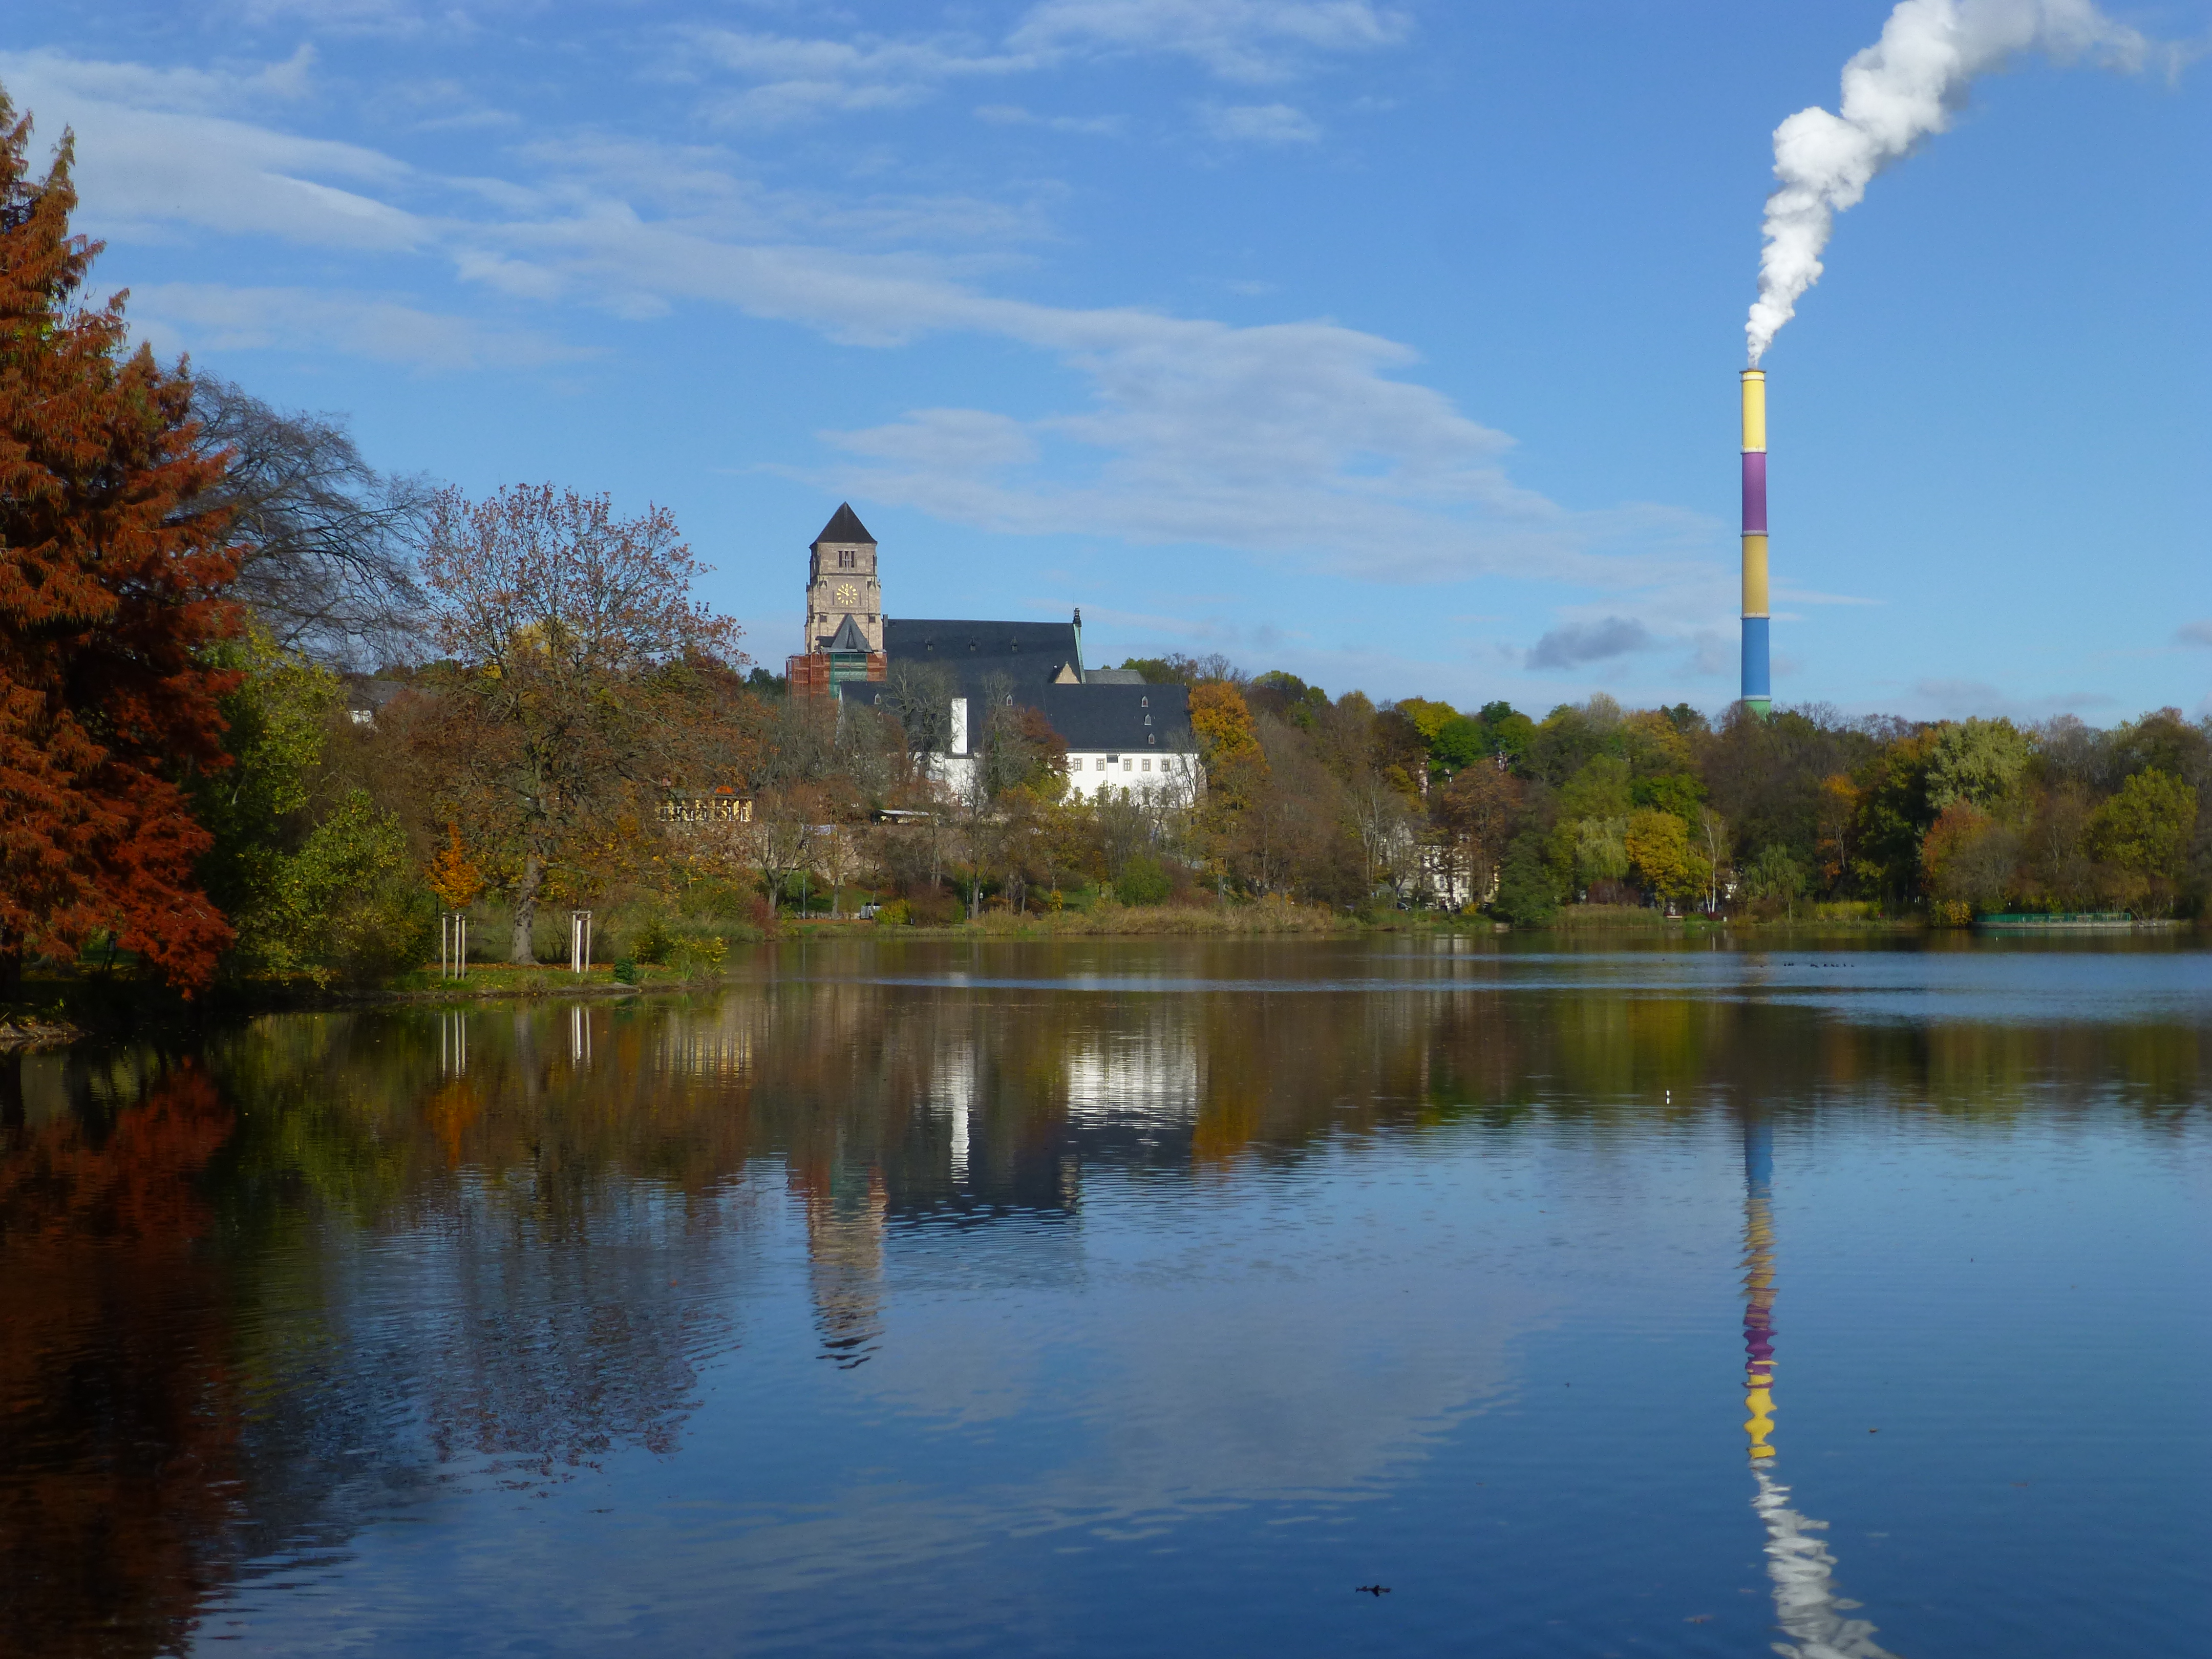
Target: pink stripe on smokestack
<point x="1754" y="492"/>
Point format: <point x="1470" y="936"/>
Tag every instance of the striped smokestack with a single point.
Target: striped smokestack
<point x="1756" y="690"/>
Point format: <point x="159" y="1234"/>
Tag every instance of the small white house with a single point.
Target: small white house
<point x="1133" y="737"/>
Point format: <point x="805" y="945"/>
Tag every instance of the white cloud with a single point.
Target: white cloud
<point x="1259" y="123"/>
<point x="179" y="89"/>
<point x="149" y="155"/>
<point x="1298" y="439"/>
<point x="1236" y="40"/>
<point x="213" y="316"/>
<point x="1284" y="439"/>
<point x="388" y="19"/>
<point x="1013" y="115"/>
<point x="793" y="78"/>
<point x="955" y="440"/>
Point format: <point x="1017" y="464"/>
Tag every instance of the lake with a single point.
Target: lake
<point x="1465" y="1296"/>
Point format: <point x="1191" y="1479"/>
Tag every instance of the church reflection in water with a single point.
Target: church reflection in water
<point x="300" y="1273"/>
<point x="1809" y="1606"/>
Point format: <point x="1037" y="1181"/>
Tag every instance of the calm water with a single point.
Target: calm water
<point x="1134" y="1297"/>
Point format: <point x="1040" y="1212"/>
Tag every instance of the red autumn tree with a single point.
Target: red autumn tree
<point x="111" y="583"/>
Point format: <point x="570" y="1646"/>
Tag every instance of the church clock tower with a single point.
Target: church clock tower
<point x="841" y="583"/>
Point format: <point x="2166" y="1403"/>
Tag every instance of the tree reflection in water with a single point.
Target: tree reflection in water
<point x="259" y="1293"/>
<point x="120" y="1462"/>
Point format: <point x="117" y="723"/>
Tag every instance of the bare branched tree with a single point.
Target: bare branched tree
<point x="329" y="564"/>
<point x="919" y="695"/>
<point x="581" y="666"/>
<point x="781" y="838"/>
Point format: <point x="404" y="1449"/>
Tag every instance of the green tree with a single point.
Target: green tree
<point x="1670" y="792"/>
<point x="1600" y="847"/>
<point x="1975" y="761"/>
<point x="1459" y="743"/>
<point x="2145" y="829"/>
<point x="1526" y="896"/>
<point x="1775" y="878"/>
<point x="1143" y="880"/>
<point x="1508" y="730"/>
<point x="344" y="907"/>
<point x="1600" y="789"/>
<point x="256" y="808"/>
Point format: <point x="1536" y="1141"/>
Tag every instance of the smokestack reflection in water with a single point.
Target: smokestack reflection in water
<point x="1808" y="1605"/>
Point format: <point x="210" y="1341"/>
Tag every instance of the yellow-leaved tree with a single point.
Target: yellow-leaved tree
<point x="454" y="876"/>
<point x="1659" y="851"/>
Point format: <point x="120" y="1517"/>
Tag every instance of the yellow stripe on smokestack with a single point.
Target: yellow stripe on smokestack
<point x="1756" y="684"/>
<point x="1754" y="575"/>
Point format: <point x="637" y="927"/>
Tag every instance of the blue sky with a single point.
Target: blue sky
<point x="1391" y="343"/>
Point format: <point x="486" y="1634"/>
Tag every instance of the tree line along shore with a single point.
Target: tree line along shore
<point x="272" y="721"/>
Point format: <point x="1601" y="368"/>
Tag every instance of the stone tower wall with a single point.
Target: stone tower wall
<point x="841" y="582"/>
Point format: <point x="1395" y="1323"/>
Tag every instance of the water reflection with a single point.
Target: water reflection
<point x="121" y="1458"/>
<point x="1808" y="1605"/>
<point x="269" y="1290"/>
<point x="845" y="1217"/>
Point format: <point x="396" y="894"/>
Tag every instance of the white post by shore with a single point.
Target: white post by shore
<point x="453" y="945"/>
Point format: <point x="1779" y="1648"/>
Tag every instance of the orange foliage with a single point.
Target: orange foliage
<point x="454" y="876"/>
<point x="109" y="587"/>
<point x="1222" y="722"/>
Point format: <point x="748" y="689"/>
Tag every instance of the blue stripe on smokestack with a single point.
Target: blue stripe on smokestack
<point x="1755" y="687"/>
<point x="1755" y="694"/>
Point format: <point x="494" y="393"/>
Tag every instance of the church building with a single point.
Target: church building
<point x="1120" y="733"/>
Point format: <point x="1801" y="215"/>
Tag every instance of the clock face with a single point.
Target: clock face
<point x="848" y="594"/>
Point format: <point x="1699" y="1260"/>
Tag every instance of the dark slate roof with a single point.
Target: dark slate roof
<point x="844" y="526"/>
<point x="849" y="637"/>
<point x="1113" y="677"/>
<point x="1028" y="654"/>
<point x="1119" y="719"/>
<point x="1114" y="719"/>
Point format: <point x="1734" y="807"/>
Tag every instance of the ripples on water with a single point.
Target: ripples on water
<point x="1120" y="1298"/>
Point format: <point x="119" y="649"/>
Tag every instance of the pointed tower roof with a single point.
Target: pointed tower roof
<point x="844" y="526"/>
<point x="849" y="638"/>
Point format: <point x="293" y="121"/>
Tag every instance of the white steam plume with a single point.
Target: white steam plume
<point x="1899" y="90"/>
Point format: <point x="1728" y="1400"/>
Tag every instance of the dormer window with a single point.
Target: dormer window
<point x="1144" y="703"/>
